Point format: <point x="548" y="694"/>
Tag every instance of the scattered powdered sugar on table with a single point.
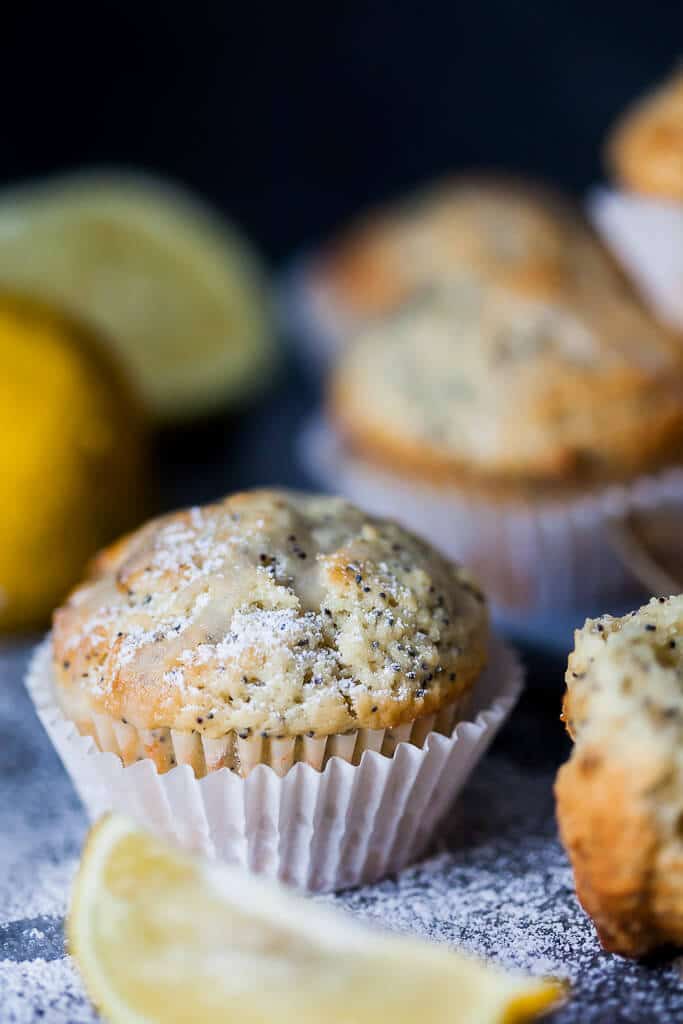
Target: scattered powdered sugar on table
<point x="43" y="990"/>
<point x="498" y="884"/>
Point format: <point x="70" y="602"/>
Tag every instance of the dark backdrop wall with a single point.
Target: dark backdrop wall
<point x="292" y="118"/>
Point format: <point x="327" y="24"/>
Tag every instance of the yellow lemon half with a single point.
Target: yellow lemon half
<point x="72" y="455"/>
<point x="178" y="293"/>
<point x="161" y="936"/>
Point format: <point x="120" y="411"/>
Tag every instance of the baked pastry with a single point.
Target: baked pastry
<point x="645" y="150"/>
<point x="269" y="627"/>
<point x="620" y="796"/>
<point x="509" y="419"/>
<point x="515" y="390"/>
<point x="501" y="232"/>
<point x="642" y="218"/>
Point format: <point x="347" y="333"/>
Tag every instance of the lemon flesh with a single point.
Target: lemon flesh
<point x="72" y="457"/>
<point x="160" y="936"/>
<point x="179" y="294"/>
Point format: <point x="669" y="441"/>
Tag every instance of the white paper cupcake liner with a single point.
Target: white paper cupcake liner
<point x="309" y="315"/>
<point x="646" y="236"/>
<point x="170" y="747"/>
<point x="532" y="557"/>
<point x="318" y="830"/>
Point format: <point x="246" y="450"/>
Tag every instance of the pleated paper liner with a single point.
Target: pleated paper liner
<point x="646" y="236"/>
<point x="363" y="812"/>
<point x="170" y="747"/>
<point x="532" y="557"/>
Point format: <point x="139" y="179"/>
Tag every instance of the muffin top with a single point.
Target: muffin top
<point x="625" y="675"/>
<point x="269" y="611"/>
<point x="517" y="234"/>
<point x="645" y="150"/>
<point x="501" y="388"/>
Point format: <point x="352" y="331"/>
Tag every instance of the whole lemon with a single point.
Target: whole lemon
<point x="72" y="456"/>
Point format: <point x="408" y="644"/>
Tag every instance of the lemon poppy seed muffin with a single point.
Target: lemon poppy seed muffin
<point x="620" y="796"/>
<point x="640" y="213"/>
<point x="511" y="233"/>
<point x="269" y="617"/>
<point x="511" y="391"/>
<point x="645" y="150"/>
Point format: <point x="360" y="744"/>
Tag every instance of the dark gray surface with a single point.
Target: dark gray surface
<point x="496" y="883"/>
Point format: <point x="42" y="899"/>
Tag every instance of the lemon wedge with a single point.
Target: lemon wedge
<point x="178" y="293"/>
<point x="160" y="936"/>
<point x="73" y="456"/>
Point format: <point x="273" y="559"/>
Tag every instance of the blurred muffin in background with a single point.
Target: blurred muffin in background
<point x="506" y="418"/>
<point x="645" y="150"/>
<point x="642" y="218"/>
<point x="178" y="293"/>
<point x="494" y="231"/>
<point x="72" y="456"/>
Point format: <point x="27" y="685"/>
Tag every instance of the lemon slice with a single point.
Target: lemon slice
<point x="177" y="292"/>
<point x="73" y="457"/>
<point x="160" y="936"/>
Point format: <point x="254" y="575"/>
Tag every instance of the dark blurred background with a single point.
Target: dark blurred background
<point x="292" y="117"/>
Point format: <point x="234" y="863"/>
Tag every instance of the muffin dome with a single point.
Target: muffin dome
<point x="502" y="386"/>
<point x="516" y="234"/>
<point x="646" y="148"/>
<point x="270" y="613"/>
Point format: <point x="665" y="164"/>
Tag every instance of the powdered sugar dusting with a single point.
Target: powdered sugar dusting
<point x="260" y="630"/>
<point x="39" y="989"/>
<point x="502" y="888"/>
<point x="191" y="551"/>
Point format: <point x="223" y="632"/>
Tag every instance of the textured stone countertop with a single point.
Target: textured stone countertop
<point x="497" y="881"/>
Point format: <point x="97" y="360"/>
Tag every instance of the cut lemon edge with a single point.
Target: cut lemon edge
<point x="159" y="935"/>
<point x="178" y="292"/>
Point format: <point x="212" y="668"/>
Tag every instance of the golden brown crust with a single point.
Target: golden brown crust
<point x="611" y="838"/>
<point x="482" y="387"/>
<point x="516" y="234"/>
<point x="645" y="150"/>
<point x="270" y="612"/>
<point x="620" y="796"/>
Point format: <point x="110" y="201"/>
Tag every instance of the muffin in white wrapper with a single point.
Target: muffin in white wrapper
<point x="270" y="678"/>
<point x="646" y="236"/>
<point x="532" y="557"/>
<point x="346" y="825"/>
